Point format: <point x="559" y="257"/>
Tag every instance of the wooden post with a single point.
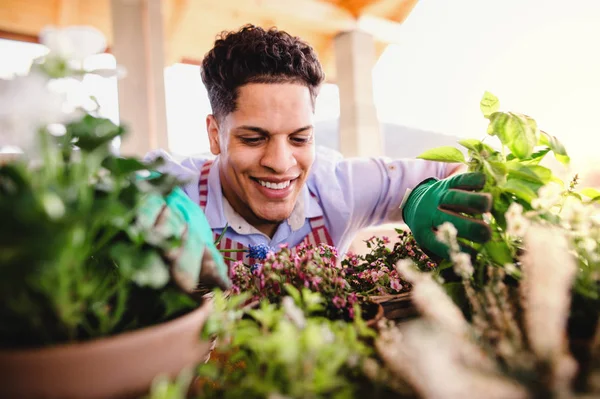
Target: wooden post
<point x="359" y="126"/>
<point x="138" y="45"/>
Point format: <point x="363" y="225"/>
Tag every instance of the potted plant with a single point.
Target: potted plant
<point x="530" y="295"/>
<point x="284" y="349"/>
<point x="92" y="300"/>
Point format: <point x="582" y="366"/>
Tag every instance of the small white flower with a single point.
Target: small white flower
<point x="548" y="196"/>
<point x="446" y="234"/>
<point x="293" y="313"/>
<point x="510" y="268"/>
<point x="514" y="210"/>
<point x="462" y="264"/>
<point x="588" y="244"/>
<point x="516" y="223"/>
<point x="73" y="42"/>
<point x="328" y="335"/>
<point x="407" y="269"/>
<point x="26" y="105"/>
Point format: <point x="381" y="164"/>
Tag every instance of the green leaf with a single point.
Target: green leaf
<point x="123" y="166"/>
<point x="471" y="144"/>
<point x="489" y="104"/>
<point x="532" y="173"/>
<point x="524" y="133"/>
<point x="560" y="153"/>
<point x="518" y="132"/>
<point x="91" y="133"/>
<point x="590" y="192"/>
<point x="496" y="169"/>
<point x="497" y="127"/>
<point x="499" y="252"/>
<point x="443" y="154"/>
<point x="520" y="189"/>
<point x="294" y="293"/>
<point x="456" y="291"/>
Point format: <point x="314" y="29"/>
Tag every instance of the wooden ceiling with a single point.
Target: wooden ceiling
<point x="190" y="26"/>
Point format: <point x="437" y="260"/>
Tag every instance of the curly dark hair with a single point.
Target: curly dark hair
<point x="256" y="55"/>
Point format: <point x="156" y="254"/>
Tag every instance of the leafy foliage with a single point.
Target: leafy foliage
<point x="75" y="262"/>
<point x="516" y="178"/>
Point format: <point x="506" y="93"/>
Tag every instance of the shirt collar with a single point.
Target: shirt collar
<point x="220" y="213"/>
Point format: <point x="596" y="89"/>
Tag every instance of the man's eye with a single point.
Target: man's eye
<point x="300" y="140"/>
<point x="251" y="140"/>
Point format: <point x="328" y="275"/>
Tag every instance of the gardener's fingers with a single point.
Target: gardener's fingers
<point x="472" y="181"/>
<point x="430" y="244"/>
<point x="466" y="202"/>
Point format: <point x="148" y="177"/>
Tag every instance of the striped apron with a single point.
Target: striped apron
<point x="318" y="234"/>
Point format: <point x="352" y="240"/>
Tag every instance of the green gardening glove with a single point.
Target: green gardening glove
<point x="434" y="202"/>
<point x="197" y="261"/>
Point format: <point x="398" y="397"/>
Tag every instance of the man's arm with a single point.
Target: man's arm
<point x="372" y="191"/>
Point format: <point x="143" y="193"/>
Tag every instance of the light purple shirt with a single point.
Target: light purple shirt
<point x="352" y="193"/>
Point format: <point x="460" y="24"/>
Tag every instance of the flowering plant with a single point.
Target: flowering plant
<point x="314" y="268"/>
<point x="524" y="191"/>
<point x="341" y="283"/>
<point x="77" y="258"/>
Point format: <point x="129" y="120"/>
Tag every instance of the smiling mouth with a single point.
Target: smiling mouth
<point x="282" y="185"/>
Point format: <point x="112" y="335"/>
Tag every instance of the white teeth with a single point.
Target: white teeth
<point x="275" y="186"/>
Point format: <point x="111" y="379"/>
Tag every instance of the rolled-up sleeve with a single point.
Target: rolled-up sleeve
<point x="378" y="185"/>
<point x="361" y="192"/>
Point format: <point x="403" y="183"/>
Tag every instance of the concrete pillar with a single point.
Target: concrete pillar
<point x="138" y="45"/>
<point x="359" y="127"/>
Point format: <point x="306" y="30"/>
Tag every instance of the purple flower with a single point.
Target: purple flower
<point x="258" y="252"/>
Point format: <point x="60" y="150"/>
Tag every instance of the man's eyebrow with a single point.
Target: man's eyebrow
<point x="265" y="132"/>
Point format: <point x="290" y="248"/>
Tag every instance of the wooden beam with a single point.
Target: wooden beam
<point x="18" y="37"/>
<point x="354" y="7"/>
<point x="393" y="10"/>
<point x="27" y="17"/>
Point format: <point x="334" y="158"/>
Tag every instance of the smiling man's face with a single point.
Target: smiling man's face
<point x="266" y="149"/>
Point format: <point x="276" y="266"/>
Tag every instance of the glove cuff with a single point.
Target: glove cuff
<point x="412" y="196"/>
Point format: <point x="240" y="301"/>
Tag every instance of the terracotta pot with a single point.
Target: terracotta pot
<point x="122" y="366"/>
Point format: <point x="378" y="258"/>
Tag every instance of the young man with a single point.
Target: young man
<point x="268" y="185"/>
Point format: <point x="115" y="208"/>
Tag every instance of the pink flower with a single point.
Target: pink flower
<point x="395" y="284"/>
<point x="339" y="302"/>
<point x="352" y="298"/>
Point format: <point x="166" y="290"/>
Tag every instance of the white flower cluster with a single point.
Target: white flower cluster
<point x="446" y="233"/>
<point x="549" y="196"/>
<point x="34" y="102"/>
<point x="516" y="223"/>
<point x="580" y="220"/>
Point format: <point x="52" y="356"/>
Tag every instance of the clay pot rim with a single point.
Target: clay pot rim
<point x="383" y="298"/>
<point x="372" y="322"/>
<point x="122" y="339"/>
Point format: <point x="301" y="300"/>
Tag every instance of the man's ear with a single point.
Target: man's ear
<point x="212" y="127"/>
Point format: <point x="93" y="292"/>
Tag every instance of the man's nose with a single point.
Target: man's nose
<point x="279" y="155"/>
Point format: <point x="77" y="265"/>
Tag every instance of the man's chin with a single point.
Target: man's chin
<point x="270" y="216"/>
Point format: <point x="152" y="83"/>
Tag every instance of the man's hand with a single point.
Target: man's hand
<point x="197" y="260"/>
<point x="434" y="202"/>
